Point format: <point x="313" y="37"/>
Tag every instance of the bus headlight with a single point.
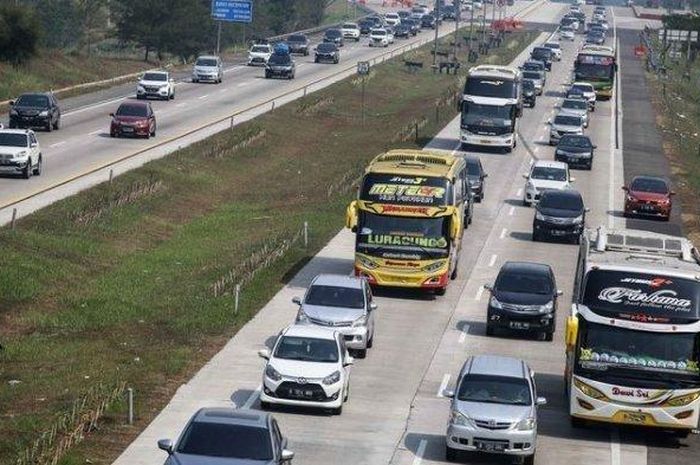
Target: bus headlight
<point x="685" y="399"/>
<point x="588" y="390"/>
<point x="366" y="262"/>
<point x="434" y="266"/>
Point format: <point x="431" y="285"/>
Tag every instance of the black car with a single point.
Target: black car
<point x="402" y="30"/>
<point x="35" y="110"/>
<point x="575" y="150"/>
<point x="327" y="52"/>
<point x="449" y="12"/>
<point x="403" y="14"/>
<point x="529" y="93"/>
<point x="413" y="24"/>
<point x="334" y="36"/>
<point x="280" y="64"/>
<point x="298" y="43"/>
<point x="365" y="25"/>
<point x="524" y="298"/>
<point x="477" y="177"/>
<point x="543" y="54"/>
<point x="428" y="21"/>
<point x="560" y="214"/>
<point x="595" y="38"/>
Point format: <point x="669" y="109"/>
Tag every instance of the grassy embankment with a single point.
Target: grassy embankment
<point x="115" y="285"/>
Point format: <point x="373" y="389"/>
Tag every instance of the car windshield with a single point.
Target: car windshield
<point x="379" y="32"/>
<point x="528" y="84"/>
<point x="335" y="296"/>
<point x="579" y="142"/>
<point x="307" y="349"/>
<point x="8" y="139"/>
<point x="567" y="120"/>
<point x="260" y="49"/>
<point x="575" y="104"/>
<point x="524" y="282"/>
<point x="553" y="45"/>
<point x="567" y="29"/>
<point x="349" y="26"/>
<point x="548" y="173"/>
<point x="40" y="101"/>
<point x="155" y="77"/>
<point x="473" y="168"/>
<point x="325" y="48"/>
<point x="226" y="441"/>
<point x="541" y="52"/>
<point x="582" y="87"/>
<point x="494" y="390"/>
<point x="534" y="75"/>
<point x="280" y="59"/>
<point x="654" y="185"/>
<point x="206" y="62"/>
<point x="296" y="38"/>
<point x="558" y="201"/>
<point x="132" y="110"/>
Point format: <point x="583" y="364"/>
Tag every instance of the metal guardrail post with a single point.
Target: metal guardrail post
<point x="130" y="402"/>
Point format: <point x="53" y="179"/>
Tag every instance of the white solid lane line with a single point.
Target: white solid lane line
<point x="96" y="131"/>
<point x="463" y="334"/>
<point x="420" y="452"/>
<point x="511" y="211"/>
<point x="203" y="97"/>
<point x="57" y="144"/>
<point x="253" y="397"/>
<point x="519" y="193"/>
<point x="479" y="293"/>
<point x="503" y="233"/>
<point x="443" y="385"/>
<point x="492" y="262"/>
<point x="615" y="447"/>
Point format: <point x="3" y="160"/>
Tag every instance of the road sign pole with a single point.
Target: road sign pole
<point x="218" y="38"/>
<point x="437" y="29"/>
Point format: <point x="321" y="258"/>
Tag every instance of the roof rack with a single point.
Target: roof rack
<point x="646" y="243"/>
<point x="415" y="158"/>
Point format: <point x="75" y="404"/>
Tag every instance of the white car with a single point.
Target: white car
<point x="156" y="84"/>
<point x="380" y="38"/>
<point x="259" y="54"/>
<point x="577" y="106"/>
<point x="308" y="366"/>
<point x="545" y="175"/>
<point x="350" y="31"/>
<point x="392" y="19"/>
<point x="208" y="68"/>
<point x="567" y="32"/>
<point x="565" y="124"/>
<point x="478" y="5"/>
<point x="586" y="90"/>
<point x="20" y="152"/>
<point x="555" y="47"/>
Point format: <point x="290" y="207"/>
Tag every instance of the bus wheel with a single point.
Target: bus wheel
<point x="440" y="291"/>
<point x="577" y="422"/>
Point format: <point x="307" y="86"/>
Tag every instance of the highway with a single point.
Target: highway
<point x="395" y="413"/>
<point x="83" y="144"/>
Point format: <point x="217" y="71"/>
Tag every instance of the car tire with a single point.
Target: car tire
<point x="529" y="459"/>
<point x="57" y="125"/>
<point x="153" y="133"/>
<point x="172" y="96"/>
<point x="49" y="127"/>
<point x="490" y="330"/>
<point x="265" y="405"/>
<point x="440" y="291"/>
<point x="577" y="423"/>
<point x="194" y="81"/>
<point x="370" y="341"/>
<point x="37" y="170"/>
<point x="337" y="411"/>
<point x="451" y="454"/>
<point x="267" y="75"/>
<point x="536" y="237"/>
<point x="526" y="203"/>
<point x="139" y="97"/>
<point x="455" y="272"/>
<point x="28" y="170"/>
<point x="337" y="60"/>
<point x="549" y="337"/>
<point x="361" y="353"/>
<point x="315" y="60"/>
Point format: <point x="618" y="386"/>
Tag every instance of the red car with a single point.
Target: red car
<point x="649" y="196"/>
<point x="133" y="119"/>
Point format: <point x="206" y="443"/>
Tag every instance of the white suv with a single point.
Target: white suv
<point x="157" y="84"/>
<point x="392" y="19"/>
<point x="259" y="54"/>
<point x="20" y="153"/>
<point x="380" y="38"/>
<point x="350" y="31"/>
<point x="545" y="175"/>
<point x="308" y="366"/>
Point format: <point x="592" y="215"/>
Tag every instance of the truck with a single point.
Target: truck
<point x="490" y="108"/>
<point x="633" y="335"/>
<point x="409" y="218"/>
<point x="597" y="64"/>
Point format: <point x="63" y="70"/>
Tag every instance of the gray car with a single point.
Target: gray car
<point x="537" y="78"/>
<point x="208" y="68"/>
<point x="494" y="409"/>
<point x="343" y="303"/>
<point x="226" y="436"/>
<point x="577" y="107"/>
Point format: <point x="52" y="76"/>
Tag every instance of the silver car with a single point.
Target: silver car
<point x="576" y="107"/>
<point x="208" y="68"/>
<point x="494" y="409"/>
<point x="563" y="124"/>
<point x="538" y="79"/>
<point x="343" y="303"/>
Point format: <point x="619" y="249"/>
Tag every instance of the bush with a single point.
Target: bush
<point x="19" y="34"/>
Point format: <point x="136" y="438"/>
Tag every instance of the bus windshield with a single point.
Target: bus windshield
<point x="400" y="237"/>
<point x="489" y="116"/>
<point x="491" y="87"/>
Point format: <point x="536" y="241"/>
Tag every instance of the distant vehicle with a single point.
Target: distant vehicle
<point x="379" y="38"/>
<point x="476" y="177"/>
<point x="392" y="19"/>
<point x="413" y="24"/>
<point x="259" y="54"/>
<point x="225" y="436"/>
<point x="585" y="90"/>
<point x="575" y="150"/>
<point x="543" y="54"/>
<point x="523" y="299"/>
<point x="555" y="47"/>
<point x="35" y="110"/>
<point x="158" y="84"/>
<point x="365" y="26"/>
<point x="477" y="4"/>
<point x="535" y="65"/>
<point x="334" y="36"/>
<point x="280" y="65"/>
<point x="208" y="68"/>
<point x="529" y="93"/>
<point x="537" y="78"/>
<point x="563" y="124"/>
<point x="576" y="107"/>
<point x="308" y="366"/>
<point x="428" y="22"/>
<point x="344" y="303"/>
<point x="570" y="22"/>
<point x="560" y="214"/>
<point x="649" y="196"/>
<point x="403" y="14"/>
<point x="350" y="31"/>
<point x="596" y="38"/>
<point x="20" y="153"/>
<point x="327" y="52"/>
<point x="403" y="30"/>
<point x="545" y="175"/>
<point x="494" y="406"/>
<point x="299" y="44"/>
<point x="133" y="119"/>
<point x="566" y="32"/>
<point x="449" y="12"/>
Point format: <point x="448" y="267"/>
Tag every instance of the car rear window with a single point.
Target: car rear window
<point x="226" y="441"/>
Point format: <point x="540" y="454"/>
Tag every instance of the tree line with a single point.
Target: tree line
<point x="176" y="27"/>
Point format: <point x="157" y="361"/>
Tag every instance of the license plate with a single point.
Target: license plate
<point x="488" y="446"/>
<point x="648" y="208"/>
<point x="634" y="418"/>
<point x="556" y="232"/>
<point x="519" y="325"/>
<point x="302" y="393"/>
<point x="127" y="129"/>
<point x="485" y="141"/>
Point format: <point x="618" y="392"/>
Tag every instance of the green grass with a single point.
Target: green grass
<point x="342" y="10"/>
<point x="115" y="284"/>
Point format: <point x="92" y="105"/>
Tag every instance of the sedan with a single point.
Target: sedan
<point x="576" y="107"/>
<point x="523" y="298"/>
<point x="559" y="215"/>
<point x="226" y="436"/>
<point x="133" y="119"/>
<point x="298" y="43"/>
<point x="428" y="22"/>
<point x="476" y="177"/>
<point x="649" y="196"/>
<point x="402" y="30"/>
<point x="334" y="36"/>
<point x="575" y="150"/>
<point x="308" y="366"/>
<point x="555" y="47"/>
<point x="567" y="32"/>
<point x="327" y="52"/>
<point x="565" y="124"/>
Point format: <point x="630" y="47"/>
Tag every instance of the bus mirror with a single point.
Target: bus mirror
<point x="571" y="331"/>
<point x="351" y="216"/>
<point x="455" y="226"/>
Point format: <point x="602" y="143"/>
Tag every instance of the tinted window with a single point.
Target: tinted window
<point x="524" y="282"/>
<point x="582" y="142"/>
<point x="379" y="32"/>
<point x="406" y="190"/>
<point x="260" y="49"/>
<point x="561" y="202"/>
<point x="494" y="390"/>
<point x="536" y="75"/>
<point x="575" y="104"/>
<point x="280" y="59"/>
<point x="582" y="87"/>
<point x="227" y="441"/>
<point x="473" y="168"/>
<point x="155" y="77"/>
<point x="296" y="38"/>
<point x="528" y="85"/>
<point x="326" y="48"/>
<point x="40" y="101"/>
<point x="490" y="87"/>
<point x="658" y="186"/>
<point x="553" y="45"/>
<point x="307" y="349"/>
<point x="541" y="52"/>
<point x="132" y="110"/>
<point x="12" y="140"/>
<point x="335" y="296"/>
<point x="333" y="33"/>
<point x="206" y="62"/>
<point x="349" y="26"/>
<point x="547" y="173"/>
<point x="533" y="66"/>
<point x="567" y="120"/>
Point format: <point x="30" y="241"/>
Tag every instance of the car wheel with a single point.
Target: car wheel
<point x="337" y="411"/>
<point x="453" y="276"/>
<point x="172" y="96"/>
<point x="347" y="394"/>
<point x="49" y="127"/>
<point x="535" y="237"/>
<point x="28" y="170"/>
<point x="360" y="353"/>
<point x="532" y="105"/>
<point x="264" y="405"/>
<point x="57" y="124"/>
<point x="370" y="341"/>
<point x="529" y="460"/>
<point x="315" y="60"/>
<point x="440" y="291"/>
<point x="549" y="337"/>
<point x="451" y="454"/>
<point x="577" y="422"/>
<point x="267" y="75"/>
<point x="37" y="170"/>
<point x="337" y="60"/>
<point x="194" y="81"/>
<point x="525" y="203"/>
<point x="153" y="133"/>
<point x="139" y="97"/>
<point x="490" y="330"/>
<point x="112" y="134"/>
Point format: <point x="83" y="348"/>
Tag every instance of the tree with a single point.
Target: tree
<point x="90" y="14"/>
<point x="21" y="33"/>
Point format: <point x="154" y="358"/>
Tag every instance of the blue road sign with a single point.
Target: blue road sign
<point x="232" y="11"/>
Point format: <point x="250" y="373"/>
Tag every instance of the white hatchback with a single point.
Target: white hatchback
<point x="308" y="366"/>
<point x="545" y="175"/>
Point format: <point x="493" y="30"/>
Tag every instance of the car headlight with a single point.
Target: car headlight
<point x="21" y="154"/>
<point x="684" y="399"/>
<point x="140" y="87"/>
<point x="163" y="86"/>
<point x="14" y="112"/>
<point x="631" y="198"/>
<point x="530" y="186"/>
<point x="665" y="201"/>
<point x="362" y="321"/>
<point x="495" y="303"/>
<point x="588" y="390"/>
<point x="578" y="219"/>
<point x="526" y="424"/>
<point x="540" y="217"/>
<point x="44" y="113"/>
<point x="272" y="374"/>
<point x="302" y="317"/>
<point x="366" y="262"/>
<point x="546" y="308"/>
<point x="332" y="378"/>
<point x="434" y="266"/>
<point x="459" y="419"/>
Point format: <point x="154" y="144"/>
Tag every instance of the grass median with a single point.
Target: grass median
<point x="132" y="283"/>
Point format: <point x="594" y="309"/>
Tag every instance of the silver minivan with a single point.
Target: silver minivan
<point x="494" y="409"/>
<point x="208" y="68"/>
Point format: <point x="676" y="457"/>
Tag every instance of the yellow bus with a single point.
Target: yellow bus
<point x="409" y="218"/>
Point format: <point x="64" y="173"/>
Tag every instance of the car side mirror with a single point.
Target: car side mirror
<point x="287" y="455"/>
<point x="486" y="175"/>
<point x="672" y="193"/>
<point x="448" y="394"/>
<point x="541" y="401"/>
<point x="12" y="102"/>
<point x="625" y="188"/>
<point x="171" y="80"/>
<point x="373" y="306"/>
<point x="595" y="146"/>
<point x="586" y="209"/>
<point x="264" y="353"/>
<point x="488" y="287"/>
<point x="526" y="175"/>
<point x="348" y="361"/>
<point x="560" y="292"/>
<point x="112" y="115"/>
<point x="549" y="122"/>
<point x="166" y="445"/>
<point x="296" y="300"/>
<point x="33" y="144"/>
